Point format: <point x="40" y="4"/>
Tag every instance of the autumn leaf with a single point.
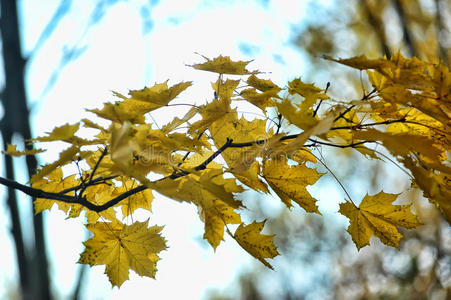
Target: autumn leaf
<point x="122" y="111"/>
<point x="176" y="122"/>
<point x="302" y="118"/>
<point x="400" y="144"/>
<point x="362" y="62"/>
<point x="250" y="177"/>
<point x="225" y="89"/>
<point x="211" y="112"/>
<point x="224" y="65"/>
<point x="260" y="246"/>
<point x="207" y="155"/>
<point x="123" y="247"/>
<point x="213" y="196"/>
<point x="53" y="182"/>
<point x="436" y="187"/>
<point x="12" y="150"/>
<point x="62" y="133"/>
<point x="290" y="182"/>
<point x="64" y="158"/>
<point x="376" y="215"/>
<point x="159" y="95"/>
<point x="263" y="85"/>
<point x="261" y="100"/>
<point x="215" y="206"/>
<point x="132" y="203"/>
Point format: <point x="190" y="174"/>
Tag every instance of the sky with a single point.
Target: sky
<point x="135" y="44"/>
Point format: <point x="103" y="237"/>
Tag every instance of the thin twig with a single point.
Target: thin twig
<point x="336" y="178"/>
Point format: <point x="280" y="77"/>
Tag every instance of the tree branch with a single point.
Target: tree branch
<point x="408" y="38"/>
<point x="61" y="196"/>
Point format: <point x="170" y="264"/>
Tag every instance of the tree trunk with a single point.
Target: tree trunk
<point x="33" y="271"/>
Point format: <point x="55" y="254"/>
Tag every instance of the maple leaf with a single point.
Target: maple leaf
<point x="139" y="200"/>
<point x="302" y="118"/>
<point x="215" y="214"/>
<point x="261" y="100"/>
<point x="64" y="158"/>
<point x="290" y="182"/>
<point x="377" y="215"/>
<point x="225" y="89"/>
<point x="260" y="246"/>
<point x="240" y="131"/>
<point x="122" y="247"/>
<point x="213" y="197"/>
<point x="224" y="65"/>
<point x="362" y="62"/>
<point x="262" y="85"/>
<point x="212" y="112"/>
<point x="121" y="111"/>
<point x="306" y="90"/>
<point x="215" y="205"/>
<point x="12" y="150"/>
<point x="176" y="122"/>
<point x="250" y="177"/>
<point x="402" y="143"/>
<point x="62" y="133"/>
<point x="53" y="182"/>
<point x="159" y="95"/>
<point x="436" y="187"/>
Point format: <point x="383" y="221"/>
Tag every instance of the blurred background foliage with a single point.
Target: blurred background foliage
<point x="318" y="259"/>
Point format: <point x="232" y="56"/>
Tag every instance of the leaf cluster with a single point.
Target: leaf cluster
<point x="211" y="154"/>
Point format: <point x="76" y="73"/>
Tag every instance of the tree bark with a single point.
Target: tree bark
<point x="34" y="270"/>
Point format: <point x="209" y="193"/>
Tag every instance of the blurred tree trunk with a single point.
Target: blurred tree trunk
<point x="32" y="260"/>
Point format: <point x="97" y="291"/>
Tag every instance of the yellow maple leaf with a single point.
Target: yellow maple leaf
<point x="302" y="118"/>
<point x="262" y="85"/>
<point x="224" y="65"/>
<point x="261" y="100"/>
<point x="12" y="150"/>
<point x="225" y="89"/>
<point x="122" y="247"/>
<point x="211" y="112"/>
<point x="377" y="215"/>
<point x="62" y="133"/>
<point x="260" y="246"/>
<point x="54" y="183"/>
<point x="215" y="204"/>
<point x="212" y="194"/>
<point x="133" y="202"/>
<point x="292" y="146"/>
<point x="176" y="122"/>
<point x="215" y="214"/>
<point x="362" y="62"/>
<point x="135" y="155"/>
<point x="436" y="187"/>
<point x="402" y="143"/>
<point x="250" y="177"/>
<point x="159" y="95"/>
<point x="306" y="90"/>
<point x="290" y="182"/>
<point x="240" y="131"/>
<point x="65" y="157"/>
<point x="121" y="111"/>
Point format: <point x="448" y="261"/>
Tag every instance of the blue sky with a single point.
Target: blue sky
<point x="134" y="44"/>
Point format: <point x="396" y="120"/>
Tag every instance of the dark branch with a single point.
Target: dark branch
<point x="203" y="165"/>
<point x="408" y="36"/>
<point x="91" y="176"/>
<point x="336" y="145"/>
<point x="402" y="120"/>
<point x="61" y="196"/>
